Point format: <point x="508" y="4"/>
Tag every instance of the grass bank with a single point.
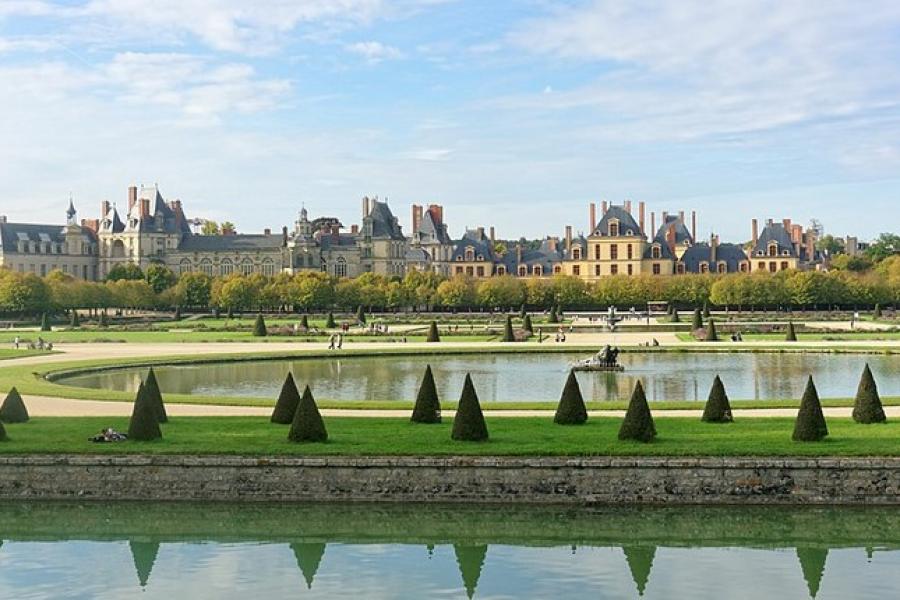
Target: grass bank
<point x="509" y="437"/>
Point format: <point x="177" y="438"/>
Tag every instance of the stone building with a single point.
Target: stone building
<point x="781" y="246"/>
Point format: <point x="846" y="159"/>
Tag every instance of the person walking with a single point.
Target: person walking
<point x="16" y="342"/>
<point x="331" y="342"/>
<point x="340" y="341"/>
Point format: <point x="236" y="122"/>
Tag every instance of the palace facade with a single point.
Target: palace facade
<point x="152" y="230"/>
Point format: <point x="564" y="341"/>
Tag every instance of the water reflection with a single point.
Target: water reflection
<point x="369" y="551"/>
<point x="523" y="377"/>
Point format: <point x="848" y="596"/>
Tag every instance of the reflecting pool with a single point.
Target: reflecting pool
<point x="522" y="377"/>
<point x="54" y="551"/>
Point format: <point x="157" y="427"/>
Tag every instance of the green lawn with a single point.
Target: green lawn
<point x="509" y="436"/>
<point x="21" y="353"/>
<point x="801" y="337"/>
<point x="177" y="335"/>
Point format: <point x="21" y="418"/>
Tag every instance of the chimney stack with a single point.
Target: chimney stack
<point x="493" y="236"/>
<point x="652" y="225"/>
<point x="104" y="209"/>
<point x="628" y="206"/>
<point x="354" y="229"/>
<point x="568" y="240"/>
<point x="267" y="231"/>
<point x="810" y="245"/>
<point x="132" y="197"/>
<point x="284" y="236"/>
<point x="437" y="212"/>
<point x="694" y="225"/>
<point x="713" y="251"/>
<point x="604" y="206"/>
<point x="518" y="253"/>
<point x="681" y="216"/>
<point x="754" y="231"/>
<point x="551" y="244"/>
<point x="145" y="208"/>
<point x="335" y="232"/>
<point x="2" y="218"/>
<point x="365" y="207"/>
<point x="593" y="216"/>
<point x="665" y="218"/>
<point x="670" y="237"/>
<point x="641" y="209"/>
<point x="481" y="233"/>
<point x="416" y="217"/>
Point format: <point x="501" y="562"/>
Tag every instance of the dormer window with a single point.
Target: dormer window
<point x="481" y="257"/>
<point x="704" y="268"/>
<point x="773" y="249"/>
<point x="613" y="228"/>
<point x="655" y="252"/>
<point x="576" y="253"/>
<point x="470" y="254"/>
<point x="523" y="270"/>
<point x="785" y="252"/>
<point x="501" y="270"/>
<point x="538" y="270"/>
<point x="629" y="232"/>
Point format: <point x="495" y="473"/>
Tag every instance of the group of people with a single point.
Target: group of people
<point x="109" y="434"/>
<point x="737" y="337"/>
<point x="39" y="345"/>
<point x="336" y="341"/>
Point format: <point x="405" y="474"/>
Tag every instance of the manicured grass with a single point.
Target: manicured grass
<point x="509" y="436"/>
<point x="21" y="353"/>
<point x="802" y="337"/>
<point x="177" y="335"/>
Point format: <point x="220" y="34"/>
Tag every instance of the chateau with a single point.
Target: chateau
<point x="153" y="230"/>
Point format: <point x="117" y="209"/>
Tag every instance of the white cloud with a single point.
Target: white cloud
<point x="374" y="52"/>
<point x="431" y="154"/>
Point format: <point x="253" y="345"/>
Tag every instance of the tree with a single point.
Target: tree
<point x="504" y="291"/>
<point x="3" y="436"/>
<point x="428" y="407"/>
<point x="812" y="563"/>
<point x="104" y="320"/>
<point x="259" y="327"/>
<point x="717" y="409"/>
<point x="23" y="293"/>
<point x="554" y="318"/>
<point x="177" y="315"/>
<point x="304" y="323"/>
<point x="433" y="335"/>
<point x="706" y="313"/>
<point x="76" y="320"/>
<point x="697" y="321"/>
<point x="209" y="228"/>
<point x="675" y="318"/>
<point x="886" y="245"/>
<point x="329" y="322"/>
<point x="527" y="326"/>
<point x="195" y="289"/>
<point x="829" y="245"/>
<point x="288" y="400"/>
<point x="508" y="335"/>
<point x="154" y="395"/>
<point x="144" y="424"/>
<point x="571" y="409"/>
<point x="711" y="335"/>
<point x="308" y="557"/>
<point x="471" y="561"/>
<point x="640" y="562"/>
<point x="458" y="292"/>
<point x="791" y="335"/>
<point x="468" y="423"/>
<point x="125" y="271"/>
<point x="13" y="409"/>
<point x="867" y="406"/>
<point x="144" y="556"/>
<point x="638" y="423"/>
<point x="307" y="425"/>
<point x="810" y="424"/>
<point x="160" y="277"/>
<point x="45" y="323"/>
<point x="361" y="315"/>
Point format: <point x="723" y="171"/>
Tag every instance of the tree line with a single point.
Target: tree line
<point x="159" y="288"/>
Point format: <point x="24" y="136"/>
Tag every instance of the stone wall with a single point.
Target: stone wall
<point x="455" y="479"/>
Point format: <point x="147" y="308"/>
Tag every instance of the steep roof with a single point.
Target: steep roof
<point x="775" y="232"/>
<point x="11" y="233"/>
<point x="327" y="240"/>
<point x="433" y="227"/>
<point x="698" y="254"/>
<point x="626" y="223"/>
<point x="229" y="243"/>
<point x="480" y="243"/>
<point x="682" y="234"/>
<point x="115" y="223"/>
<point x="664" y="250"/>
<point x="544" y="256"/>
<point x="163" y="218"/>
<point x="384" y="224"/>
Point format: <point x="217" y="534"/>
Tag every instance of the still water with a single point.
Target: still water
<point x="522" y="377"/>
<point x="68" y="551"/>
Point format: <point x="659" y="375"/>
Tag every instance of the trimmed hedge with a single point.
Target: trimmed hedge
<point x="307" y="425"/>
<point x="329" y="322"/>
<point x="428" y="406"/>
<point x="13" y="409"/>
<point x="155" y="396"/>
<point x="697" y="321"/>
<point x="867" y="406"/>
<point x="638" y="423"/>
<point x="433" y="335"/>
<point x="571" y="409"/>
<point x="810" y="425"/>
<point x="144" y="426"/>
<point x="508" y="335"/>
<point x="790" y="335"/>
<point x="527" y="326"/>
<point x="288" y="400"/>
<point x="711" y="334"/>
<point x="259" y="327"/>
<point x="717" y="409"/>
<point x="468" y="424"/>
<point x="361" y="315"/>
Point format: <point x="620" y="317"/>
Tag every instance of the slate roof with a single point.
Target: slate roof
<point x="777" y="233"/>
<point x="664" y="250"/>
<point x="682" y="234"/>
<point x="327" y="240"/>
<point x="417" y="255"/>
<point x="626" y="222"/>
<point x="698" y="254"/>
<point x="384" y="225"/>
<point x="480" y="243"/>
<point x="229" y="243"/>
<point x="11" y="233"/>
<point x="162" y="219"/>
<point x="543" y="256"/>
<point x="116" y="224"/>
<point x="433" y="227"/>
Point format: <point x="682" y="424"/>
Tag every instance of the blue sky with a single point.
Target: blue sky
<point x="513" y="114"/>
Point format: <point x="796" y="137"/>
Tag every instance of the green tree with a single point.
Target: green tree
<point x="160" y="277"/>
<point x="638" y="423"/>
<point x="125" y="271"/>
<point x="697" y="321"/>
<point x="428" y="406"/>
<point x="502" y="291"/>
<point x="209" y="228"/>
<point x="259" y="326"/>
<point x="554" y="318"/>
<point x="307" y="425"/>
<point x="468" y="423"/>
<point x="329" y="322"/>
<point x="76" y="320"/>
<point x="361" y="315"/>
<point x="288" y="400"/>
<point x="527" y="326"/>
<point x="154" y="396"/>
<point x="867" y="406"/>
<point x="45" y="323"/>
<point x="13" y="409"/>
<point x="23" y="293"/>
<point x="810" y="425"/>
<point x="675" y="318"/>
<point x="717" y="409"/>
<point x="195" y="289"/>
<point x="144" y="424"/>
<point x="876" y="314"/>
<point x="887" y="244"/>
<point x="457" y="292"/>
<point x="829" y="245"/>
<point x="471" y="561"/>
<point x="433" y="335"/>
<point x="812" y="563"/>
<point x="571" y="409"/>
<point x="640" y="563"/>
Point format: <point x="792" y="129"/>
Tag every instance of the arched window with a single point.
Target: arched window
<point x="613" y="228"/>
<point x="206" y="267"/>
<point x="340" y="267"/>
<point x="523" y="270"/>
<point x="226" y="267"/>
<point x="704" y="267"/>
<point x="679" y="268"/>
<point x="538" y="270"/>
<point x="773" y="249"/>
<point x="184" y="266"/>
<point x="655" y="252"/>
<point x="268" y="267"/>
<point x="723" y="268"/>
<point x="247" y="265"/>
<point x="743" y="267"/>
<point x="470" y="254"/>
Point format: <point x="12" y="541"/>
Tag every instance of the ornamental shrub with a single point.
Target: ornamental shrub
<point x="810" y="424"/>
<point x="304" y="322"/>
<point x="76" y="319"/>
<point x="812" y="563"/>
<point x="638" y="423"/>
<point x="309" y="557"/>
<point x="307" y="425"/>
<point x="867" y="407"/>
<point x="508" y="335"/>
<point x="553" y="318"/>
<point x="675" y="317"/>
<point x="259" y="327"/>
<point x="45" y="323"/>
<point x="471" y="561"/>
<point x="433" y="335"/>
<point x="152" y="388"/>
<point x="13" y="409"/>
<point x="697" y="322"/>
<point x="428" y="407"/>
<point x="329" y="322"/>
<point x="144" y="555"/>
<point x="571" y="409"/>
<point x="640" y="562"/>
<point x="361" y="315"/>
<point x="711" y="335"/>
<point x="288" y="399"/>
<point x="877" y="312"/>
<point x="791" y="335"/>
<point x="3" y="436"/>
<point x="144" y="425"/>
<point x="468" y="424"/>
<point x="527" y="326"/>
<point x="717" y="409"/>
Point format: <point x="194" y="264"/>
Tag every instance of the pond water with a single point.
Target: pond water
<point x="521" y="377"/>
<point x="68" y="551"/>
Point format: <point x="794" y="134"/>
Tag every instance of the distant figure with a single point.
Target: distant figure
<point x="40" y="344"/>
<point x="331" y="342"/>
<point x="16" y="342"/>
<point x="340" y="341"/>
<point x="655" y="342"/>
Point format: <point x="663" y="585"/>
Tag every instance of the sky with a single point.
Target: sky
<point x="512" y="114"/>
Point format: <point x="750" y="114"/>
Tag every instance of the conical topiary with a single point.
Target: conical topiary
<point x="433" y="335"/>
<point x="571" y="409"/>
<point x="45" y="323"/>
<point x="304" y="323"/>
<point x="288" y="399"/>
<point x="259" y="327"/>
<point x="867" y="407"/>
<point x="76" y="319"/>
<point x="155" y="396"/>
<point x="638" y="423"/>
<point x="13" y="409"/>
<point x="706" y="312"/>
<point x="468" y="424"/>
<point x="812" y="563"/>
<point x="144" y="555"/>
<point x="640" y="562"/>
<point x="790" y="335"/>
<point x="553" y="318"/>
<point x="810" y="424"/>
<point x="361" y="315"/>
<point x="877" y="312"/>
<point x="697" y="322"/>
<point x="309" y="557"/>
<point x="144" y="425"/>
<point x="527" y="326"/>
<point x="307" y="425"/>
<point x="329" y="322"/>
<point x="3" y="436"/>
<point x="470" y="560"/>
<point x="428" y="406"/>
<point x="711" y="335"/>
<point x="508" y="335"/>
<point x="717" y="409"/>
<point x="675" y="317"/>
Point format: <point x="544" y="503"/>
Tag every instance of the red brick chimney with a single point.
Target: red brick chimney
<point x="670" y="237"/>
<point x="754" y="231"/>
<point x="336" y="233"/>
<point x="652" y="225"/>
<point x="416" y="217"/>
<point x="354" y="229"/>
<point x="145" y="208"/>
<point x="628" y="206"/>
<point x="642" y="207"/>
<point x="593" y="218"/>
<point x="604" y="206"/>
<point x="132" y="197"/>
<point x="104" y="209"/>
<point x="437" y="211"/>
